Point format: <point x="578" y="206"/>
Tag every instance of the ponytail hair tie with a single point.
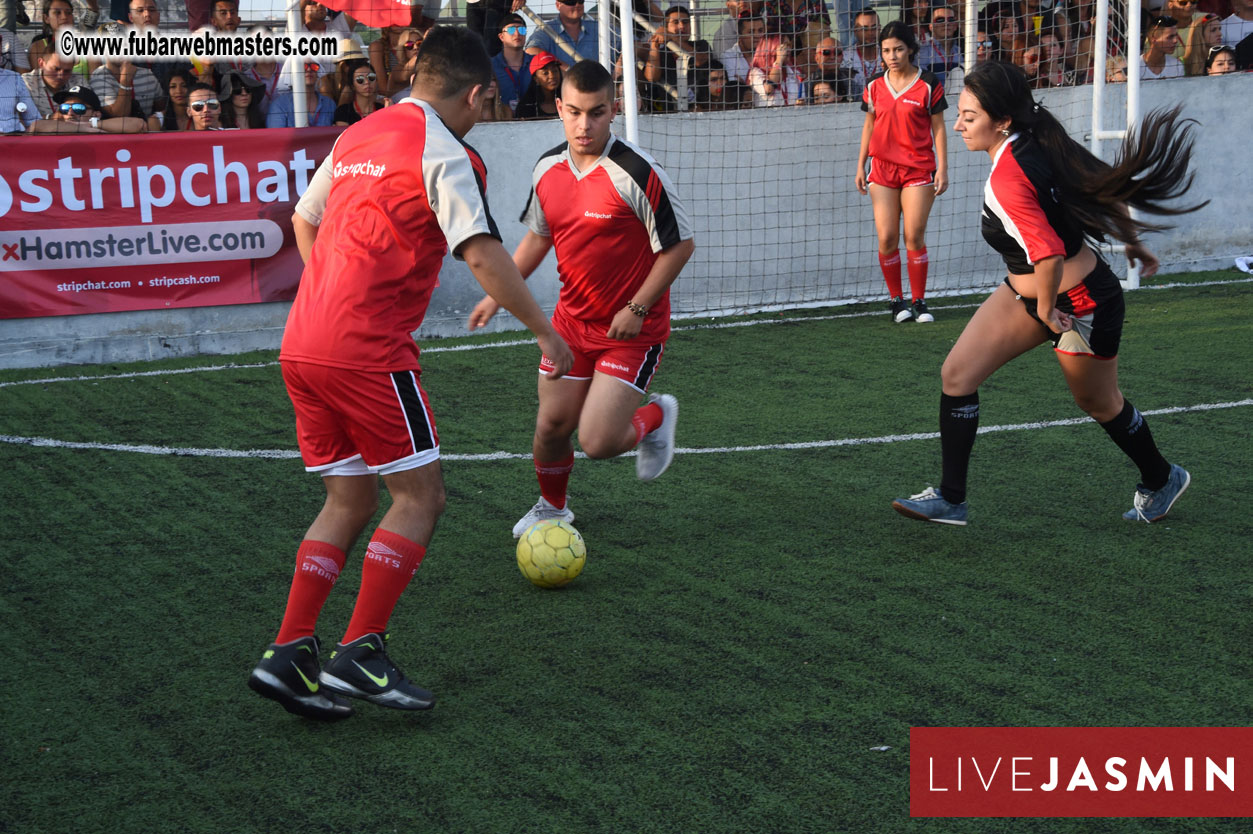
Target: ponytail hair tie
<point x="1035" y="108"/>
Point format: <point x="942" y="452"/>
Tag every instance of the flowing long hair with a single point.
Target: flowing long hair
<point x="1150" y="170"/>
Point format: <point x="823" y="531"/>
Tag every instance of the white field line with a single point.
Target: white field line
<point x="518" y="342"/>
<point x="494" y="456"/>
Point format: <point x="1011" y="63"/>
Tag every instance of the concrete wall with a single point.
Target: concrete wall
<point x="778" y="223"/>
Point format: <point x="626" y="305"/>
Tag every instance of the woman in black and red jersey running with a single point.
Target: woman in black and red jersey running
<point x="1045" y="199"/>
<point x="903" y="106"/>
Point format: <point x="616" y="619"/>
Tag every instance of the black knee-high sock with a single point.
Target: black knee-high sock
<point x="1131" y="432"/>
<point x="959" y="422"/>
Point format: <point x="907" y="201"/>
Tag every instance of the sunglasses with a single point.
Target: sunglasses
<point x="411" y="44"/>
<point x="515" y="29"/>
<point x="984" y="44"/>
<point x="1213" y="50"/>
<point x="943" y="19"/>
<point x="242" y="91"/>
<point x="199" y="106"/>
<point x="76" y="108"/>
<point x="570" y="2"/>
<point x="313" y="67"/>
<point x="827" y="53"/>
<point x="365" y="79"/>
<point x="1185" y="2"/>
<point x="869" y="28"/>
<point x="1165" y="20"/>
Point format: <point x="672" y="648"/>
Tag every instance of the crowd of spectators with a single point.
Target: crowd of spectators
<point x="764" y="53"/>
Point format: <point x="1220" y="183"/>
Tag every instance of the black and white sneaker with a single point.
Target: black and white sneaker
<point x="361" y="669"/>
<point x="288" y="673"/>
<point x="921" y="314"/>
<point x="900" y="310"/>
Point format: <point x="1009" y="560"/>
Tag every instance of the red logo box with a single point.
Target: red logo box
<point x="1081" y="772"/>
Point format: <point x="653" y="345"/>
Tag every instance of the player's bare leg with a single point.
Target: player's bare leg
<point x="288" y="671"/>
<point x="1000" y="330"/>
<point x="1094" y="385"/>
<point x="886" y="203"/>
<point x="613" y="423"/>
<point x="552" y="448"/>
<point x="916" y="203"/>
<point x="417" y="502"/>
<point x="351" y="502"/>
<point x="605" y="428"/>
<point x="360" y="667"/>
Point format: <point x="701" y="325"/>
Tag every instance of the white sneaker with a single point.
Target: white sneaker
<point x="542" y="511"/>
<point x="656" y="450"/>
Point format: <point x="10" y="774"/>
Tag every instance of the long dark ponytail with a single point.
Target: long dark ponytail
<point x="1151" y="167"/>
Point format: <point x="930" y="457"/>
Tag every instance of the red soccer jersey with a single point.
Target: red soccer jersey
<point x="404" y="190"/>
<point x="902" y="119"/>
<point x="607" y="224"/>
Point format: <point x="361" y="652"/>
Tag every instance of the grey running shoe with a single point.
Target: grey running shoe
<point x="900" y="310"/>
<point x="361" y="669"/>
<point x="542" y="511"/>
<point x="1152" y="504"/>
<point x="921" y="314"/>
<point x="656" y="450"/>
<point x="288" y="673"/>
<point x="929" y="505"/>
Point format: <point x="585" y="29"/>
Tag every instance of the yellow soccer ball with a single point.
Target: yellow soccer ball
<point x="551" y="553"/>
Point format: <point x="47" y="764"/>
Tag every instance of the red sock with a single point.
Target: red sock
<point x="891" y="266"/>
<point x="317" y="567"/>
<point x="918" y="262"/>
<point x="553" y="478"/>
<point x="645" y="419"/>
<point x="391" y="561"/>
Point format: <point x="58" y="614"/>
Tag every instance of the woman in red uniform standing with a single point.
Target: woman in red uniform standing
<point x="903" y="106"/>
<point x="1045" y="199"/>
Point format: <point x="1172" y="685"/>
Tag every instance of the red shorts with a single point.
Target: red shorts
<point x="898" y="176"/>
<point x="632" y="362"/>
<point x="357" y="422"/>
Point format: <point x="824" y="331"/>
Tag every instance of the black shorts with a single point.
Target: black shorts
<point x="1097" y="308"/>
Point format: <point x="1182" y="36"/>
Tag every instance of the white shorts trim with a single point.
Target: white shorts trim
<point x="349" y="465"/>
<point x="355" y="466"/>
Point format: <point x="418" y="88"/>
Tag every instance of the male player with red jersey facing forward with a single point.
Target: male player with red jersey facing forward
<point x="621" y="237"/>
<point x="397" y="192"/>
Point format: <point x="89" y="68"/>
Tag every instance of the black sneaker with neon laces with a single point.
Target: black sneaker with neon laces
<point x="362" y="669"/>
<point x="900" y="310"/>
<point x="288" y="673"/>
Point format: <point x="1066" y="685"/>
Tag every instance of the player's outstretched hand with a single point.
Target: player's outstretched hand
<point x="557" y="351"/>
<point x="625" y="325"/>
<point x="482" y="313"/>
<point x="1148" y="261"/>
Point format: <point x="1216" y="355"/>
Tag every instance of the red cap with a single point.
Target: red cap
<point x="541" y="60"/>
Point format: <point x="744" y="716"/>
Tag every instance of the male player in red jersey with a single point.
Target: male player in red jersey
<point x="621" y="236"/>
<point x="403" y="190"/>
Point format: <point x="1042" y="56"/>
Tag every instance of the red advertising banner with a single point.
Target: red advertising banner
<point x="1081" y="772"/>
<point x="99" y="224"/>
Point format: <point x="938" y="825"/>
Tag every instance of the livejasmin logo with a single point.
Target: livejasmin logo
<point x="1022" y="775"/>
<point x="1081" y="772"/>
